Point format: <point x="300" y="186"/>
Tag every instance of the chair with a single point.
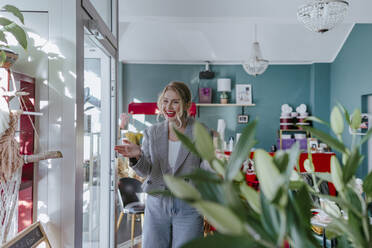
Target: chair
<point x="129" y="202"/>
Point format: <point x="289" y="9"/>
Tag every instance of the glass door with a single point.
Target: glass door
<point x="99" y="78"/>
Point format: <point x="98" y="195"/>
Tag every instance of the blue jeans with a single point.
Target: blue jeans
<point x="170" y="223"/>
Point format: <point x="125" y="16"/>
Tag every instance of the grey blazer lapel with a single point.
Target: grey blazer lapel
<point x="162" y="147"/>
<point x="184" y="152"/>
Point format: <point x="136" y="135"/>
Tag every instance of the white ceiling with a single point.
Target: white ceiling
<point x="221" y="31"/>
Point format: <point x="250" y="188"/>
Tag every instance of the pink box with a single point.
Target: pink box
<point x="205" y="95"/>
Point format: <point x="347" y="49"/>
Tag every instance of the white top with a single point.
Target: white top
<point x="173" y="149"/>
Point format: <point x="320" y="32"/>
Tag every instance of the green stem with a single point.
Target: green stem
<point x="283" y="226"/>
<point x="310" y="157"/>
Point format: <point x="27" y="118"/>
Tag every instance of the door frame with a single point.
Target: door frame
<point x="86" y="16"/>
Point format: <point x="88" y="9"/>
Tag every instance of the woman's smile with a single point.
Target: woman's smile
<point x="170" y="114"/>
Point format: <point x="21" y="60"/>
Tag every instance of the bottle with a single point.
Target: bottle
<point x="273" y="148"/>
<point x="231" y="144"/>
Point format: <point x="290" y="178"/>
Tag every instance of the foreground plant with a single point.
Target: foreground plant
<point x="8" y="26"/>
<point x="281" y="211"/>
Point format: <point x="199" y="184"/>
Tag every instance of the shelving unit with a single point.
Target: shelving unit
<point x="198" y="105"/>
<point x="290" y="130"/>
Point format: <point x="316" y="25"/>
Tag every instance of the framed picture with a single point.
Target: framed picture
<point x="243" y="93"/>
<point x="243" y="118"/>
<point x="365" y="125"/>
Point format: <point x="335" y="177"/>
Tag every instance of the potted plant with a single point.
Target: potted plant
<point x="7" y="26"/>
<point x="280" y="213"/>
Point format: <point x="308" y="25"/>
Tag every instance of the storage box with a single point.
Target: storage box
<point x="288" y="143"/>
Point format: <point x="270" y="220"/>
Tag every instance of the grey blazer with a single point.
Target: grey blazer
<point x="153" y="163"/>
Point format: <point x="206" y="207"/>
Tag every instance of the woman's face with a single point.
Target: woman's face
<point x="171" y="105"/>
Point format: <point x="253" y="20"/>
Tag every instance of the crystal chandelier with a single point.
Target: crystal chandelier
<point x="256" y="65"/>
<point x="322" y="15"/>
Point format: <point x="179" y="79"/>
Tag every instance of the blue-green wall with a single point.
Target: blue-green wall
<point x="351" y="74"/>
<point x="319" y="93"/>
<point x="320" y="86"/>
<point x="278" y="85"/>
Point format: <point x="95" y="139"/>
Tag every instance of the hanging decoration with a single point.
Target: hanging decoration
<point x="256" y="64"/>
<point x="322" y="15"/>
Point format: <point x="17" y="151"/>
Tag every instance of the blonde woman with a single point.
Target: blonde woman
<point x="169" y="222"/>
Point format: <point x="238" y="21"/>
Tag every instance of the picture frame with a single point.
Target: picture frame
<point x="242" y="119"/>
<point x="364" y="126"/>
<point x="243" y="93"/>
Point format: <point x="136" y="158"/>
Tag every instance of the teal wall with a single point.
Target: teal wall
<point x="280" y="84"/>
<point x="319" y="86"/>
<point x="351" y="74"/>
<point x="319" y="93"/>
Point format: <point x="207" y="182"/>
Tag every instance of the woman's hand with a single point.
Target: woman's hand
<point x="129" y="150"/>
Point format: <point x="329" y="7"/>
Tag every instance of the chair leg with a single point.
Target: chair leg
<point x="119" y="220"/>
<point x="132" y="231"/>
<point x="142" y="218"/>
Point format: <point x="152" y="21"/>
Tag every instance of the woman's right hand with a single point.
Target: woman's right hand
<point x="129" y="150"/>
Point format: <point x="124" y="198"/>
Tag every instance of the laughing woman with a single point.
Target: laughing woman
<point x="169" y="222"/>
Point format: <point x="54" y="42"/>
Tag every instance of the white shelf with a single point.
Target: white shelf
<point x="223" y="105"/>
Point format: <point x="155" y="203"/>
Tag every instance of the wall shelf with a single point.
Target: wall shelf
<point x="223" y="105"/>
<point x="198" y="105"/>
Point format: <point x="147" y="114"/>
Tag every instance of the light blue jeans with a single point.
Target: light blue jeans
<point x="170" y="223"/>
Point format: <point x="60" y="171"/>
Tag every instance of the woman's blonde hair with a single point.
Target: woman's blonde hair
<point x="185" y="94"/>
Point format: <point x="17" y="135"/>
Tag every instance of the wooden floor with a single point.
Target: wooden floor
<point x="123" y="234"/>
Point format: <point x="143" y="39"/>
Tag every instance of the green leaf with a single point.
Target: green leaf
<point x="367" y="184"/>
<point x="296" y="185"/>
<point x="211" y="191"/>
<point x="356" y="119"/>
<point x="302" y="204"/>
<point x="294" y="154"/>
<point x="267" y="173"/>
<point x="3" y="57"/>
<point x="241" y="151"/>
<point x="309" y="167"/>
<point x="344" y="204"/>
<point x="186" y="142"/>
<point x="270" y="217"/>
<point x="346" y="113"/>
<point x="366" y="137"/>
<point x="15" y="30"/>
<point x="337" y="121"/>
<point x="239" y="177"/>
<point x="332" y="142"/>
<point x="351" y="165"/>
<point x="316" y="119"/>
<point x="15" y="11"/>
<point x="203" y="142"/>
<point x="2" y="37"/>
<point x="217" y="165"/>
<point x="325" y="176"/>
<point x="222" y="218"/>
<point x="181" y="189"/>
<point x="218" y="240"/>
<point x="251" y="196"/>
<point x="281" y="160"/>
<point x="336" y="173"/>
<point x="203" y="176"/>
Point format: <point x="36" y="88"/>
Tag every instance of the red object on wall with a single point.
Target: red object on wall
<point x="26" y="142"/>
<point x="151" y="108"/>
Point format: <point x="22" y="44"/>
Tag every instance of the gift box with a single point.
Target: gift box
<point x="205" y="95"/>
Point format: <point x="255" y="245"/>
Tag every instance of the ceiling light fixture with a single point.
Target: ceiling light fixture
<point x="322" y="15"/>
<point x="256" y="65"/>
